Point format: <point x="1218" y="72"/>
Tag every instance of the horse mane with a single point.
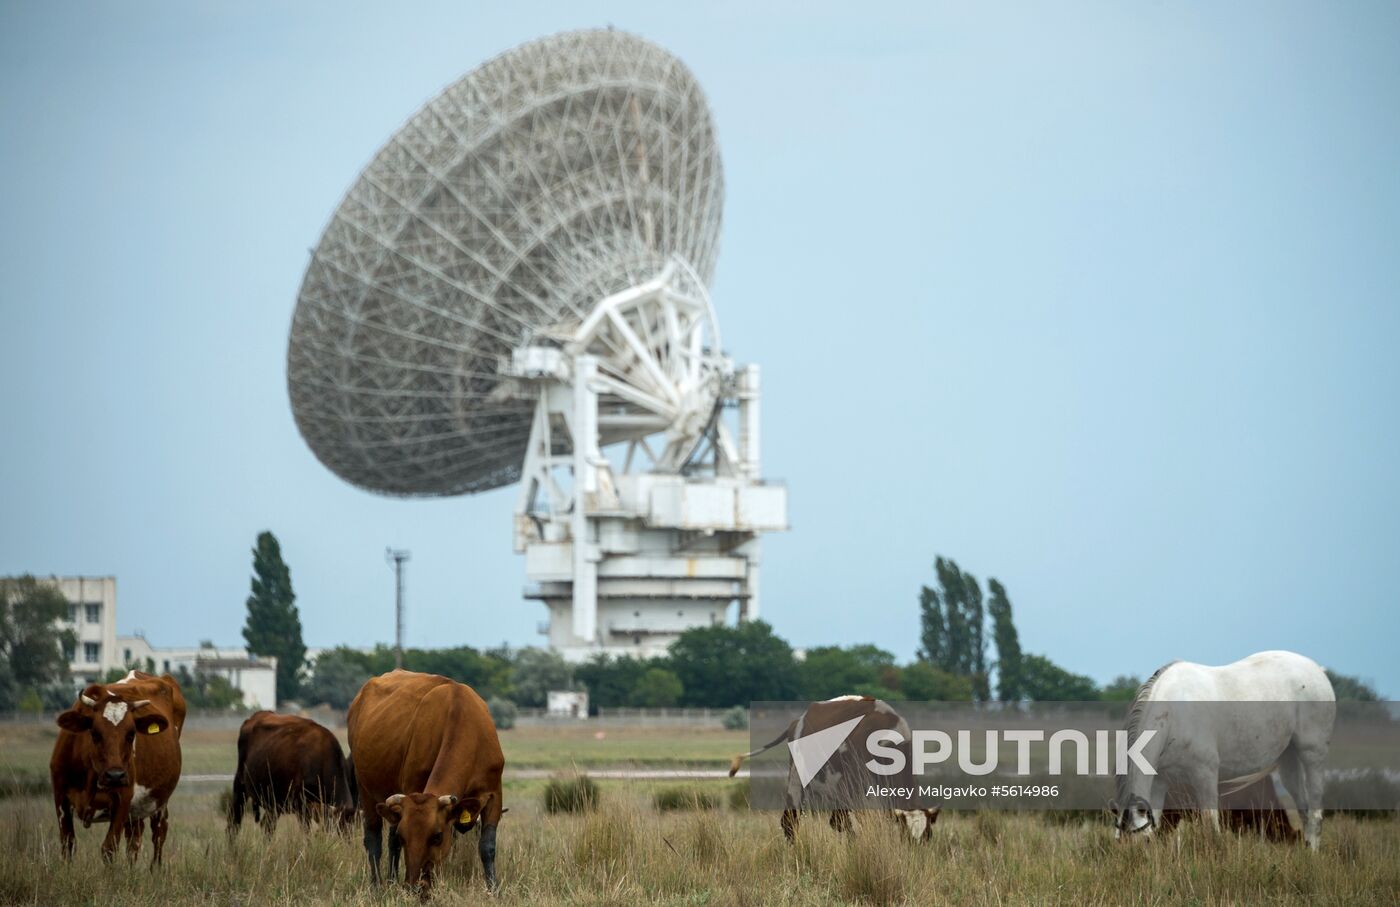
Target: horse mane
<point x="1140" y="700"/>
<point x="1135" y="718"/>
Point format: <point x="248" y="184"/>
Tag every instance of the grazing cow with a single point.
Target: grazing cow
<point x="426" y="758"/>
<point x="845" y="772"/>
<point x="289" y="764"/>
<point x="117" y="759"/>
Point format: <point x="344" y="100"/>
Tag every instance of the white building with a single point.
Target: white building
<point x="92" y="615"/>
<point x="255" y="676"/>
<point x="567" y="704"/>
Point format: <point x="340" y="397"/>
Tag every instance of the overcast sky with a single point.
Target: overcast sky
<point x="1098" y="299"/>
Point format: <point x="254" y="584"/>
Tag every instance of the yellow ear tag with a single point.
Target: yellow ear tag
<point x="153" y="729"/>
<point x="466" y="818"/>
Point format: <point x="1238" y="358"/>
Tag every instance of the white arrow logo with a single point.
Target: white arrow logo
<point x="812" y="752"/>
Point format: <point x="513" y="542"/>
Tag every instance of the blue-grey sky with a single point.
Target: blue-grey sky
<point x="1097" y="298"/>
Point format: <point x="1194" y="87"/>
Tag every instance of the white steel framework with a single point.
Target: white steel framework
<point x="629" y="554"/>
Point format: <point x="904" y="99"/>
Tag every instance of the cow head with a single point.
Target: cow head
<point x="918" y="822"/>
<point x="111" y="724"/>
<point x="424" y="824"/>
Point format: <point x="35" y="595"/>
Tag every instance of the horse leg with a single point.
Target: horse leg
<point x="789" y="823"/>
<point x="841" y="820"/>
<point x="1204" y="782"/>
<point x="1302" y="772"/>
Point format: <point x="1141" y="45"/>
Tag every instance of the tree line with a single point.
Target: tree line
<point x="969" y="650"/>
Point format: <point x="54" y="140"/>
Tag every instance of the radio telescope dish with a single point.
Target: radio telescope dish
<point x="515" y="288"/>
<point x="551" y="177"/>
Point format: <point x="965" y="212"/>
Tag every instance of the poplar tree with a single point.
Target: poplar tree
<point x="1008" y="643"/>
<point x="273" y="626"/>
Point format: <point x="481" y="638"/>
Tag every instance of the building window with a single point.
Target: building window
<point x="167" y="666"/>
<point x="91" y="652"/>
<point x="69" y="654"/>
<point x="94" y="613"/>
<point x="72" y="613"/>
<point x="126" y="656"/>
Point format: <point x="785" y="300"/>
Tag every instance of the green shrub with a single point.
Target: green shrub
<point x="223" y="806"/>
<point x="570" y="794"/>
<point x="736" y="719"/>
<point x="675" y="798"/>
<point x="503" y="712"/>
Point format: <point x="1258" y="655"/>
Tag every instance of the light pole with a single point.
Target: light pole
<point x="397" y="556"/>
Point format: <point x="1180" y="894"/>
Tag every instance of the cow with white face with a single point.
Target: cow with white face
<point x="117" y="759"/>
<point x="845" y="770"/>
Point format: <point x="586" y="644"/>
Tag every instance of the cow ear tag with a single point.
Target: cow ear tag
<point x="153" y="729"/>
<point x="465" y="818"/>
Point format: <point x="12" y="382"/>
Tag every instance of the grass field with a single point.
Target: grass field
<point x="25" y="749"/>
<point x="627" y="852"/>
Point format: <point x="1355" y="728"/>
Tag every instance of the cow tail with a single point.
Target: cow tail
<point x="738" y="760"/>
<point x="235" y="807"/>
<point x="350" y="780"/>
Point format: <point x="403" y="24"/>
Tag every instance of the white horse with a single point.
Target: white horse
<point x="1220" y="729"/>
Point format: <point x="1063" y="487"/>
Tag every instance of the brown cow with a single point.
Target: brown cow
<point x="289" y="764"/>
<point x="837" y="780"/>
<point x="427" y="759"/>
<point x="117" y="759"/>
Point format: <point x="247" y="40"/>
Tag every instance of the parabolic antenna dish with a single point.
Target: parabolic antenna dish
<point x="560" y="172"/>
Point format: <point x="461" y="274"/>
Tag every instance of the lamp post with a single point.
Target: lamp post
<point x="397" y="556"/>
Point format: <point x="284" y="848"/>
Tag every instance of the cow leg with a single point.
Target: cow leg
<point x="789" y="824"/>
<point x="486" y="848"/>
<point x="395" y="847"/>
<point x="374" y="840"/>
<point x="266" y="816"/>
<point x="135" y="828"/>
<point x="66" y="837"/>
<point x="841" y="820"/>
<point x="160" y="826"/>
<point x="116" y="823"/>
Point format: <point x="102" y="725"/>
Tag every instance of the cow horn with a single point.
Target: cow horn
<point x="88" y="700"/>
<point x="448" y="800"/>
<point x="395" y="800"/>
<point x="140" y="703"/>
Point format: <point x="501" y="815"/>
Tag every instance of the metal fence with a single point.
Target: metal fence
<point x="229" y="719"/>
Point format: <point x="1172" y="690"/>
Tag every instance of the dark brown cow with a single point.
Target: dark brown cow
<point x="289" y="764"/>
<point x="427" y="759"/>
<point x="847" y="763"/>
<point x="117" y="759"/>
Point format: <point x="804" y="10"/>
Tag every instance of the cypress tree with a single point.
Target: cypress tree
<point x="273" y="626"/>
